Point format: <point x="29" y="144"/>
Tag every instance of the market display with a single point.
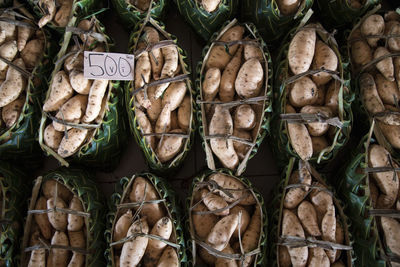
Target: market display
<point x="234" y="96"/>
<point x="227" y="221"/>
<point x="308" y="224"/>
<point x="313" y="115"/>
<point x="370" y="186"/>
<point x="65" y="221"/>
<point x="79" y="112"/>
<point x="160" y="99"/>
<point x="144" y="226"/>
<point x="207" y="16"/>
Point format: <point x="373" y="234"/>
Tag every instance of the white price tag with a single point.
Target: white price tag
<point x="108" y="66"/>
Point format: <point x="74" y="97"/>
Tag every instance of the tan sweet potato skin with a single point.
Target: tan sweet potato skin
<point x="301" y="50"/>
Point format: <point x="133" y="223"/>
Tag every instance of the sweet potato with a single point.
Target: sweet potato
<point x="60" y="92"/>
<point x="210" y="5"/>
<point x="317" y="128"/>
<point x="169" y="258"/>
<point x="308" y="218"/>
<point x="394" y="42"/>
<point x="162" y="228"/>
<point x="217" y="56"/>
<point x="373" y="25"/>
<point x="49" y="6"/>
<point x="328" y="229"/>
<point x="41" y="219"/>
<point x="244" y="220"/>
<point x="24" y="34"/>
<point x="214" y="202"/>
<point x="294" y="196"/>
<point x="251" y="237"/>
<point x="79" y="83"/>
<point x="237" y="192"/>
<point x="369" y="94"/>
<point x="77" y="240"/>
<point x="96" y="94"/>
<point x="184" y="113"/>
<point x="203" y="223"/>
<point x="142" y="70"/>
<point x="145" y="127"/>
<point x="58" y="220"/>
<point x="361" y="53"/>
<point x="8" y="50"/>
<point x="284" y="257"/>
<point x="155" y="105"/>
<point x="207" y="257"/>
<point x="318" y="258"/>
<point x="374" y="193"/>
<point x="171" y="65"/>
<point x="291" y="226"/>
<point x="134" y="249"/>
<point x="74" y="61"/>
<point x="32" y="52"/>
<point x="121" y="227"/>
<point x="7" y="28"/>
<point x="321" y="92"/>
<point x="387" y="90"/>
<point x="391" y="230"/>
<point x="70" y="145"/>
<point x="221" y="262"/>
<point x="49" y="190"/>
<point x="251" y="51"/>
<point x="163" y="124"/>
<point x="241" y="148"/>
<point x="322" y="201"/>
<point x="11" y="112"/>
<point x="300" y="138"/>
<point x="169" y="146"/>
<point x="71" y="111"/>
<point x="326" y="58"/>
<point x="249" y="79"/>
<point x="156" y="59"/>
<point x="301" y="50"/>
<point x="174" y="95"/>
<point x="378" y="156"/>
<point x="38" y="258"/>
<point x="221" y="233"/>
<point x="332" y="96"/>
<point x="211" y="84"/>
<point x="319" y="143"/>
<point x="58" y="257"/>
<point x="75" y="222"/>
<point x="63" y="13"/>
<point x="14" y="84"/>
<point x="303" y="92"/>
<point x="385" y="66"/>
<point x="227" y="85"/>
<point x="391" y="133"/>
<point x="152" y="211"/>
<point x="396" y="64"/>
<point x="244" y="118"/>
<point x="288" y="7"/>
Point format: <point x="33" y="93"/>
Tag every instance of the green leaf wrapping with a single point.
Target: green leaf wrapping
<point x="203" y="22"/>
<point x="261" y="258"/>
<point x="171" y="204"/>
<point x="354" y="190"/>
<point x="271" y="24"/>
<point x="13" y="203"/>
<point x="150" y="155"/>
<point x="80" y="183"/>
<point x="338" y="13"/>
<point x="80" y="9"/>
<point x="276" y="207"/>
<point x="19" y="142"/>
<point x="282" y="147"/>
<point x="267" y="104"/>
<point x="131" y="15"/>
<point x="103" y="149"/>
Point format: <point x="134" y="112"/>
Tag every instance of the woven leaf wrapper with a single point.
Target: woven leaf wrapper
<point x="276" y="213"/>
<point x="79" y="182"/>
<point x="195" y="243"/>
<point x="271" y="24"/>
<point x="131" y="15"/>
<point x="262" y="104"/>
<point x="80" y="9"/>
<point x="169" y="203"/>
<point x="103" y="145"/>
<point x="13" y="206"/>
<point x="131" y="102"/>
<point x="282" y="147"/>
<point x="19" y="142"/>
<point x="359" y="74"/>
<point x="339" y="13"/>
<point x="354" y="188"/>
<point x="203" y="22"/>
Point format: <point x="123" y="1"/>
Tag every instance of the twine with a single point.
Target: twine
<point x="229" y="136"/>
<point x="180" y="77"/>
<point x="385" y="213"/>
<point x="311" y="242"/>
<point x="24" y="73"/>
<point x="305" y="118"/>
<point x="334" y="74"/>
<point x="252" y="100"/>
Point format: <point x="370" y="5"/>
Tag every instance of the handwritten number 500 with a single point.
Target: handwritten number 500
<point x="109" y="66"/>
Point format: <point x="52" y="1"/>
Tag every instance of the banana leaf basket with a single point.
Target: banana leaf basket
<point x="120" y="202"/>
<point x="356" y="190"/>
<point x="76" y="183"/>
<point x="131" y="15"/>
<point x="263" y="111"/>
<point x="13" y="206"/>
<point x="385" y="131"/>
<point x="19" y="141"/>
<point x="276" y="208"/>
<point x="196" y="243"/>
<point x="339" y="13"/>
<point x="103" y="145"/>
<point x="79" y="8"/>
<point x="203" y="22"/>
<point x="282" y="147"/>
<point x="132" y="100"/>
<point x="270" y="22"/>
